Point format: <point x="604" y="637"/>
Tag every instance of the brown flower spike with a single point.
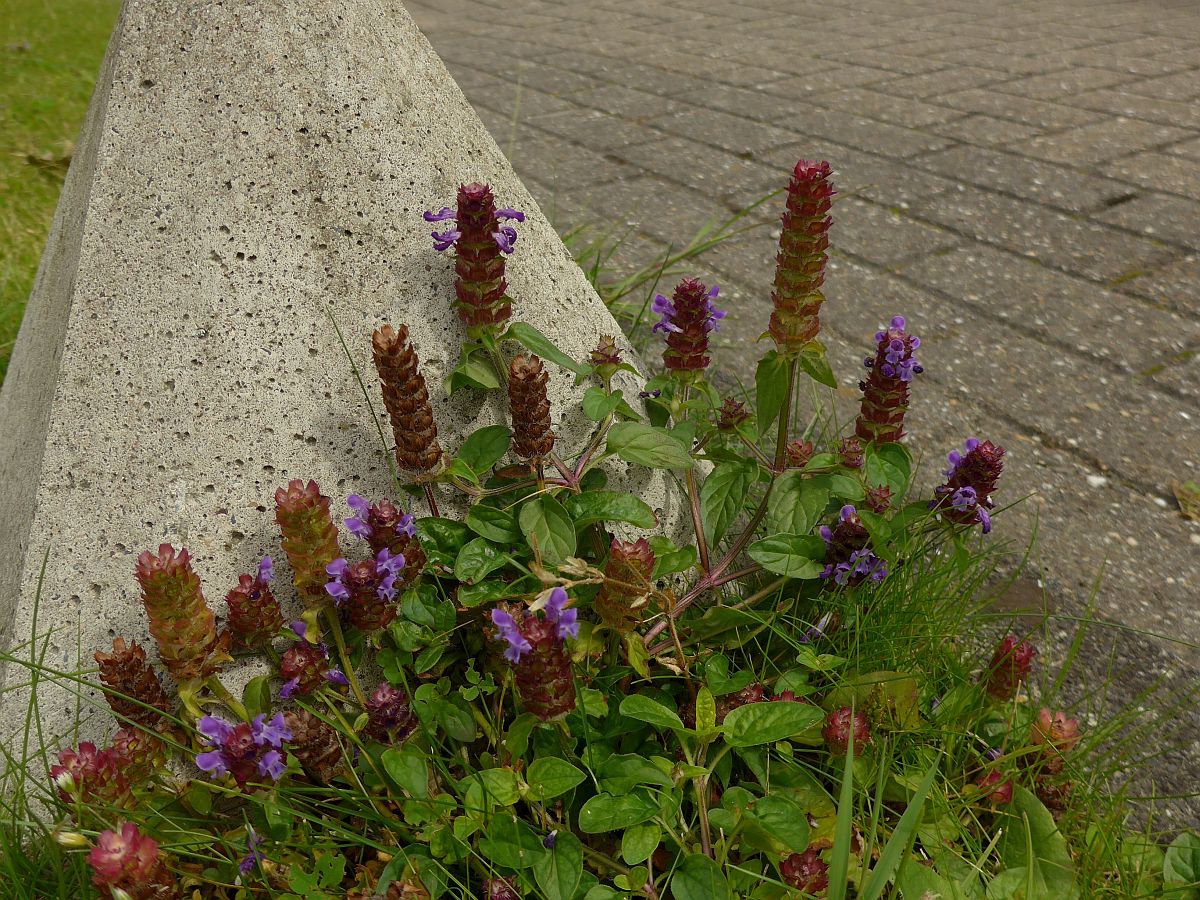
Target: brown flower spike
<point x="180" y="620"/>
<point x="406" y="398"/>
<point x="315" y="745"/>
<point x="134" y="691"/>
<point x="533" y="437"/>
<point x="624" y="596"/>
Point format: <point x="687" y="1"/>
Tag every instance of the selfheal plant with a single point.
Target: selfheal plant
<point x="687" y="319"/>
<point x="305" y="666"/>
<point x="366" y="591"/>
<point x="966" y="497"/>
<point x="243" y="750"/>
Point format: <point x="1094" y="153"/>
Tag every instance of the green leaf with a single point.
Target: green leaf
<point x="494" y="524"/>
<point x="783" y="820"/>
<point x="706" y="711"/>
<point x="511" y="842"/>
<point x="770" y="388"/>
<point x="475" y="370"/>
<point x="640" y="443"/>
<point x="548" y="529"/>
<point x="256" y="695"/>
<point x="606" y="812"/>
<point x="723" y="497"/>
<point x="843" y="829"/>
<point x="536" y="342"/>
<point x="889" y="464"/>
<point x="636" y="653"/>
<point x="597" y="404"/>
<point x="638" y="842"/>
<point x="550" y="777"/>
<point x="916" y="880"/>
<point x="901" y="839"/>
<point x="798" y="502"/>
<point x="407" y="768"/>
<point x="642" y="708"/>
<point x="766" y="723"/>
<point x="609" y="506"/>
<point x="1030" y="824"/>
<point x="485" y="448"/>
<point x="558" y="872"/>
<point x="622" y="772"/>
<point x="498" y="786"/>
<point x="516" y="740"/>
<point x="793" y="555"/>
<point x="485" y="592"/>
<point x="442" y="537"/>
<point x="669" y="559"/>
<point x="477" y="559"/>
<point x="816" y="364"/>
<point x="699" y="878"/>
<point x="1181" y="866"/>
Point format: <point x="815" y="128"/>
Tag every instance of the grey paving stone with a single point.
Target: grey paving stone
<point x="886" y="237"/>
<point x="892" y="60"/>
<point x="999" y="60"/>
<point x="596" y="130"/>
<point x="889" y="108"/>
<point x="557" y="162"/>
<point x="654" y="207"/>
<point x="1180" y="87"/>
<point x="943" y="81"/>
<point x="1135" y="106"/>
<point x="1076" y="314"/>
<point x="984" y="130"/>
<point x="1187" y="148"/>
<point x="729" y="132"/>
<point x="1063" y="83"/>
<point x="1164" y="216"/>
<point x="1031" y="179"/>
<point x="865" y="134"/>
<point x="827" y="79"/>
<point x="1177" y="174"/>
<point x="1046" y="116"/>
<point x="1176" y="285"/>
<point x="753" y="104"/>
<point x="1060" y="241"/>
<point x="626" y="102"/>
<point x="1092" y="144"/>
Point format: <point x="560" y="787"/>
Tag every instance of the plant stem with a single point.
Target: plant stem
<point x="214" y="684"/>
<point x="785" y="416"/>
<point x="339" y="640"/>
<point x="606" y="861"/>
<point x="432" y="501"/>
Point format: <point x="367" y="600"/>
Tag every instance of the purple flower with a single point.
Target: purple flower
<point x="505" y="238"/>
<point x="253" y="858"/>
<point x="212" y="762"/>
<point x="359" y="525"/>
<point x="446" y="239"/>
<point x="507" y="212"/>
<point x="274" y="732"/>
<point x="289" y="687"/>
<point x="266" y="570"/>
<point x="955" y="458"/>
<point x="861" y="564"/>
<point x="507" y="626"/>
<point x="993" y="753"/>
<point x="550" y="840"/>
<point x="846" y="513"/>
<point x="300" y="629"/>
<point x="215" y="729"/>
<point x="565" y="619"/>
<point x="271" y="763"/>
<point x="445" y="214"/>
<point x="816" y="631"/>
<point x="336" y="676"/>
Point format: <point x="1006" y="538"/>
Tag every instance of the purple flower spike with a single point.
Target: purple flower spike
<point x="266" y="570"/>
<point x="445" y="214"/>
<point x="507" y="626"/>
<point x="565" y="619"/>
<point x="507" y="212"/>
<point x="505" y="238"/>
<point x="446" y="239"/>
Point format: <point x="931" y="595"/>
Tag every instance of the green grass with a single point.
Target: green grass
<point x="50" y="51"/>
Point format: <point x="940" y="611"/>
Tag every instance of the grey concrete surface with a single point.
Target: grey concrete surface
<point x="248" y="171"/>
<point x="1020" y="178"/>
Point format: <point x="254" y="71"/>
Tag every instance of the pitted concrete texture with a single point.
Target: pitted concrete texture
<point x="1021" y="179"/>
<point x="249" y="172"/>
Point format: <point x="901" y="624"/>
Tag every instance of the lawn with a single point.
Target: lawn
<point x="49" y="55"/>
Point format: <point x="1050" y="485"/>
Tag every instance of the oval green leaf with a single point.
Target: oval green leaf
<point x="550" y="777"/>
<point x="648" y="446"/>
<point x="637" y="706"/>
<point x="548" y="529"/>
<point x="793" y="555"/>
<point x="766" y="723"/>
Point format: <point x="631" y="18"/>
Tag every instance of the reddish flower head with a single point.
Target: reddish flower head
<point x="806" y="871"/>
<point x="127" y="860"/>
<point x="1054" y="731"/>
<point x="843" y="726"/>
<point x="885" y="390"/>
<point x="687" y="318"/>
<point x="800" y="265"/>
<point x="966" y="496"/>
<point x="1009" y="667"/>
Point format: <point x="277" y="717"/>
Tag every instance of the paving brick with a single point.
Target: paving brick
<point x="1060" y="241"/>
<point x="890" y="60"/>
<point x="557" y="162"/>
<point x="1180" y="87"/>
<point x="720" y="129"/>
<point x="1176" y="286"/>
<point x="656" y="208"/>
<point x="944" y="81"/>
<point x="1187" y="148"/>
<point x="865" y="134"/>
<point x="1135" y="106"/>
<point x="825" y="80"/>
<point x="1077" y="314"/>
<point x="999" y="60"/>
<point x="888" y="108"/>
<point x="1177" y="174"/>
<point x="1162" y="216"/>
<point x="1097" y="143"/>
<point x="886" y="237"/>
<point x="1031" y="179"/>
<point x="984" y="130"/>
<point x="596" y="130"/>
<point x="1046" y="116"/>
<point x="1056" y="85"/>
<point x="752" y="104"/>
<point x="628" y="103"/>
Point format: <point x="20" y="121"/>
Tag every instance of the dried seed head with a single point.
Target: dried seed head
<point x="315" y="745"/>
<point x="134" y="691"/>
<point x="406" y="398"/>
<point x="529" y="406"/>
<point x="182" y="624"/>
<point x="310" y="538"/>
<point x="624" y="597"/>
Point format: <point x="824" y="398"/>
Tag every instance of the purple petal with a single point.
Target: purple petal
<point x="212" y="762"/>
<point x="272" y="764"/>
<point x="300" y="629"/>
<point x="847" y="512"/>
<point x="713" y="291"/>
<point x="826" y="533"/>
<point x="505" y="238"/>
<point x="507" y="212"/>
<point x="568" y="624"/>
<point x="556" y="603"/>
<point x="359" y="504"/>
<point x="289" y="688"/>
<point x="274" y="732"/>
<point x="445" y="214"/>
<point x="266" y="569"/>
<point x="336" y="676"/>
<point x="337" y="568"/>
<point x="899" y="322"/>
<point x="985" y="520"/>
<point x="216" y="729"/>
<point x="386" y="589"/>
<point x="445" y="240"/>
<point x="337" y="591"/>
<point x="386" y="561"/>
<point x="360" y="528"/>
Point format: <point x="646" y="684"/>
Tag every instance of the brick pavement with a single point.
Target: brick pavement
<point x="1021" y="179"/>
